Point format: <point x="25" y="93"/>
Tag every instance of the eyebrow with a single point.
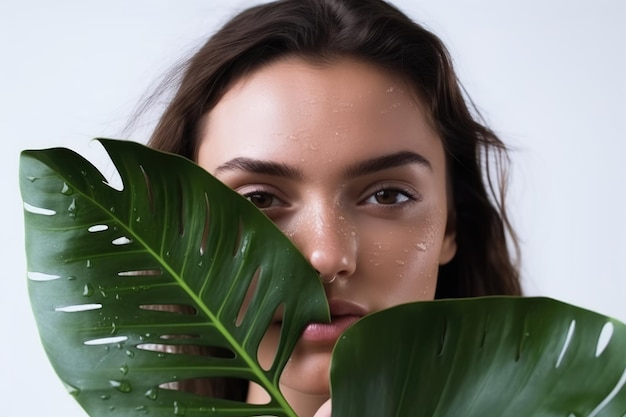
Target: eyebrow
<point x="369" y="166"/>
<point x="256" y="166"/>
<point x="381" y="163"/>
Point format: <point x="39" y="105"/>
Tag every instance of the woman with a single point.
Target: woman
<point x="343" y="121"/>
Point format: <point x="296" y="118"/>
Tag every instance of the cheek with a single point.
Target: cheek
<point x="400" y="264"/>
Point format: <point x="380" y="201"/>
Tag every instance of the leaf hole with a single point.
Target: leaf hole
<point x="179" y="336"/>
<point x="605" y="338"/>
<point x="122" y="240"/>
<point x="78" y="308"/>
<point x="106" y="340"/>
<point x="38" y="210"/>
<point x="267" y="356"/>
<point x="98" y="228"/>
<point x="107" y="168"/>
<point x="188" y="349"/>
<point x="568" y="338"/>
<point x="248" y="297"/>
<point x="171" y="308"/>
<point x="40" y="276"/>
<point x="140" y="273"/>
<point x="234" y="388"/>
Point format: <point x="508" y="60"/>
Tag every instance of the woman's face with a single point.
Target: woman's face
<point x="341" y="157"/>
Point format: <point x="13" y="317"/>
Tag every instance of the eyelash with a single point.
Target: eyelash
<point x="410" y="195"/>
<point x="261" y="192"/>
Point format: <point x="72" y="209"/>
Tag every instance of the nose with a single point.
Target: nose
<point x="328" y="240"/>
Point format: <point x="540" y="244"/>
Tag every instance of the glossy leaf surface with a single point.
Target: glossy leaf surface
<point x="500" y="356"/>
<point x="122" y="280"/>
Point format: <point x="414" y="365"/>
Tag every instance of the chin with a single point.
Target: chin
<point x="308" y="371"/>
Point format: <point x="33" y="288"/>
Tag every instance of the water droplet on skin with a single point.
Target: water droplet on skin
<point x="399" y="262"/>
<point x="67" y="190"/>
<point x="421" y="246"/>
<point x="152" y="394"/>
<point x="121" y="385"/>
<point x="124" y="369"/>
<point x="179" y="408"/>
<point x="87" y="290"/>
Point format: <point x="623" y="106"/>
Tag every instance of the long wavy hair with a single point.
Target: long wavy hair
<point x="375" y="32"/>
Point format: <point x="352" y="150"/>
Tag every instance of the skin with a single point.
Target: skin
<point x="362" y="191"/>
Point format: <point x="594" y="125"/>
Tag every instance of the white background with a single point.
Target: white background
<point x="548" y="76"/>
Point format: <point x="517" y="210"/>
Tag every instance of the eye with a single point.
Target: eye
<point x="262" y="199"/>
<point x="390" y="196"/>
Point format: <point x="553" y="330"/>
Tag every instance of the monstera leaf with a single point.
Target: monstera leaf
<point x="123" y="282"/>
<point x="129" y="287"/>
<point x="495" y="356"/>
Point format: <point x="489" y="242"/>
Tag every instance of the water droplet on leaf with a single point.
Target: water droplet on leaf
<point x="121" y="385"/>
<point x="87" y="290"/>
<point x="67" y="190"/>
<point x="179" y="408"/>
<point x="152" y="394"/>
<point x="72" y="209"/>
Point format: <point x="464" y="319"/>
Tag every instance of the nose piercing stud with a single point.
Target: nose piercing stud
<point x="330" y="281"/>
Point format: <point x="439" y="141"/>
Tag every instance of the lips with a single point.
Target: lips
<point x="343" y="315"/>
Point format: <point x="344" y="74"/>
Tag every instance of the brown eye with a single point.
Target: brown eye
<point x="387" y="197"/>
<point x="261" y="200"/>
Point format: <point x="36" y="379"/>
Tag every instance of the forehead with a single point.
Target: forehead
<point x="292" y="106"/>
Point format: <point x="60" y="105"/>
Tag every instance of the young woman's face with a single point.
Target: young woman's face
<point x="341" y="157"/>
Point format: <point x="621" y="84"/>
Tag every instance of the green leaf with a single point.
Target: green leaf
<point x="493" y="356"/>
<point x="103" y="262"/>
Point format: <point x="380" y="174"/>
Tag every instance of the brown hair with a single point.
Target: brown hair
<point x="375" y="32"/>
